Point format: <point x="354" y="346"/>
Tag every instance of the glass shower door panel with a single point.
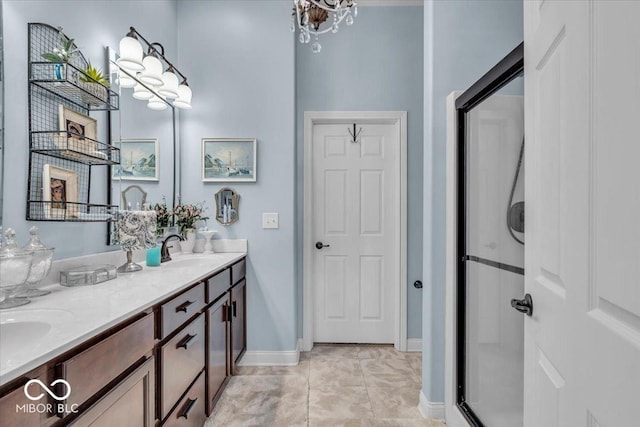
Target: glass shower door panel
<point x="494" y="339"/>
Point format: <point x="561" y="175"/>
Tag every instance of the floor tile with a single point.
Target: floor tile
<point x="339" y="402"/>
<point x="395" y="402"/>
<point x="377" y="352"/>
<point x="332" y="386"/>
<point x="340" y="372"/>
<point x="388" y="373"/>
<point x="334" y="351"/>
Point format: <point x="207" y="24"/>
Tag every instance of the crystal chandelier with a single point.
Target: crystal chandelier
<point x="310" y="14"/>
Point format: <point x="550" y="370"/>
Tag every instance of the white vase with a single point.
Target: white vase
<point x="189" y="241"/>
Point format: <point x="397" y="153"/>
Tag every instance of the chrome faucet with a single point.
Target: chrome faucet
<point x="164" y="250"/>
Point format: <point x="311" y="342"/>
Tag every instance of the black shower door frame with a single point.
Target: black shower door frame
<point x="501" y="74"/>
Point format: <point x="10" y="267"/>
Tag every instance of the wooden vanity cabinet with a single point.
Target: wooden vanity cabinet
<point x="181" y="353"/>
<point x="166" y="365"/>
<point x="238" y="321"/>
<point x="129" y="404"/>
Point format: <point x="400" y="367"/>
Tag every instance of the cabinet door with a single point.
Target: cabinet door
<point x="129" y="404"/>
<point x="217" y="344"/>
<point x="238" y="321"/>
<point x="16" y="410"/>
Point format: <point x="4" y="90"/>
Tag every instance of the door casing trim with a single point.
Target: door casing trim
<point x="399" y="119"/>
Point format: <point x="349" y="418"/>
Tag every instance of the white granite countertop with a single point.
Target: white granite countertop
<point x="57" y="322"/>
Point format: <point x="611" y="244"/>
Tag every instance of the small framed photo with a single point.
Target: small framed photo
<point x="229" y="160"/>
<point x="138" y="160"/>
<point x="60" y="192"/>
<point x="75" y="128"/>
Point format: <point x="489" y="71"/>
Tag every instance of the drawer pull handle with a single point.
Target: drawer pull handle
<point x="183" y="307"/>
<point x="188" y="406"/>
<point x="186" y="341"/>
<point x="234" y="309"/>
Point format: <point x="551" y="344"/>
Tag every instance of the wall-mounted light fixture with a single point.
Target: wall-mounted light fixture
<point x="144" y="73"/>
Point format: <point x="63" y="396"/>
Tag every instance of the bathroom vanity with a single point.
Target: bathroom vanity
<point x="150" y="348"/>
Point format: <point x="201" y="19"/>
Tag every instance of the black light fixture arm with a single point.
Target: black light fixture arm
<point x="157" y="49"/>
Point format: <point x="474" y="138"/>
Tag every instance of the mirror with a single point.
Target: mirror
<point x="147" y="140"/>
<point x="227" y="206"/>
<point x="1" y="116"/>
<point x="133" y="198"/>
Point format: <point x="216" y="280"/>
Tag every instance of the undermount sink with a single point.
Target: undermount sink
<point x="16" y="334"/>
<point x="21" y="328"/>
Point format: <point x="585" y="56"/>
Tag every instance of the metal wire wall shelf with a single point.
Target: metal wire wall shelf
<point x="63" y="144"/>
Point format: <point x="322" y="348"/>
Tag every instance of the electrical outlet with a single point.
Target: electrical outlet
<point x="270" y="220"/>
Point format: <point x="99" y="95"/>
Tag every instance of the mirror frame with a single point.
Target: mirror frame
<point x="234" y="198"/>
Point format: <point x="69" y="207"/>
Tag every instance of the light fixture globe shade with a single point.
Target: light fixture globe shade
<point x="130" y="54"/>
<point x="152" y="74"/>
<point x="155" y="103"/>
<point x="125" y="81"/>
<point x="170" y="86"/>
<point x="184" y="97"/>
<point x="142" y="93"/>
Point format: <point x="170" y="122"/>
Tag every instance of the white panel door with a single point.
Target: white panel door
<point x="354" y="214"/>
<point x="582" y="344"/>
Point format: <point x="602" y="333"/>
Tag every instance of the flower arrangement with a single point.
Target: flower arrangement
<point x="163" y="215"/>
<point x="188" y="214"/>
<point x="64" y="52"/>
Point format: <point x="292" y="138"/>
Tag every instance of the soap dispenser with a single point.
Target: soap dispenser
<point x="42" y="258"/>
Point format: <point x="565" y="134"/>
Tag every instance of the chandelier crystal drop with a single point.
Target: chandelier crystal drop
<point x="310" y="15"/>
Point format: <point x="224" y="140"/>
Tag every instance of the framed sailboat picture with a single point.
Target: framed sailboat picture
<point x="138" y="160"/>
<point x="229" y="160"/>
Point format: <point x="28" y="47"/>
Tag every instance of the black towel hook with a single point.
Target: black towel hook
<point x="354" y="134"/>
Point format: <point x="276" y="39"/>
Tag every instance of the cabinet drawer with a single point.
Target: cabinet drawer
<point x="238" y="271"/>
<point x="190" y="410"/>
<point x="95" y="367"/>
<point x="182" y="359"/>
<point x="218" y="285"/>
<point x="180" y="309"/>
<point x="15" y="410"/>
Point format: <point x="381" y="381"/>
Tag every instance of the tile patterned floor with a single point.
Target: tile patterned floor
<point x="332" y="386"/>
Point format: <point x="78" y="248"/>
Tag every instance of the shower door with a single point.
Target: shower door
<point x="490" y="345"/>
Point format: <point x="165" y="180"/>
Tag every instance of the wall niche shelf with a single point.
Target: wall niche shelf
<point x="64" y="142"/>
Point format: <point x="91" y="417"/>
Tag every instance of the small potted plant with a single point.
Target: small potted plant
<point x="63" y="53"/>
<point x="96" y="84"/>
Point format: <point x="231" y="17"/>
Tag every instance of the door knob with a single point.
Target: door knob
<point x="320" y="245"/>
<point x="524" y="305"/>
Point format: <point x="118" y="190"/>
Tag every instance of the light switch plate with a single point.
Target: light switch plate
<point x="270" y="220"/>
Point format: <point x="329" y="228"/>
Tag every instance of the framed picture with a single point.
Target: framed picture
<point x="138" y="160"/>
<point x="75" y="128"/>
<point x="229" y="160"/>
<point x="59" y="188"/>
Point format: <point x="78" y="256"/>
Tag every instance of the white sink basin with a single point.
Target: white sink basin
<point x="13" y="335"/>
<point x="22" y="328"/>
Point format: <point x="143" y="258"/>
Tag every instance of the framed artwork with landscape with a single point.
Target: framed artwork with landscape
<point x="229" y="160"/>
<point x="138" y="160"/>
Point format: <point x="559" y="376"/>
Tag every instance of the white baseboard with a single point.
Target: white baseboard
<point x="430" y="410"/>
<point x="414" y="344"/>
<point x="270" y="358"/>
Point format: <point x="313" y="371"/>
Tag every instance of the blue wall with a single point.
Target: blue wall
<point x="94" y="25"/>
<point x="239" y="56"/>
<point x="375" y="64"/>
<point x="462" y="40"/>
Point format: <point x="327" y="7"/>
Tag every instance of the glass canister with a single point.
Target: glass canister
<point x="15" y="265"/>
<point x="42" y="258"/>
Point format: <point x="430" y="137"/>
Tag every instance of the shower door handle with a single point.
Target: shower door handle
<point x="524" y="305"/>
